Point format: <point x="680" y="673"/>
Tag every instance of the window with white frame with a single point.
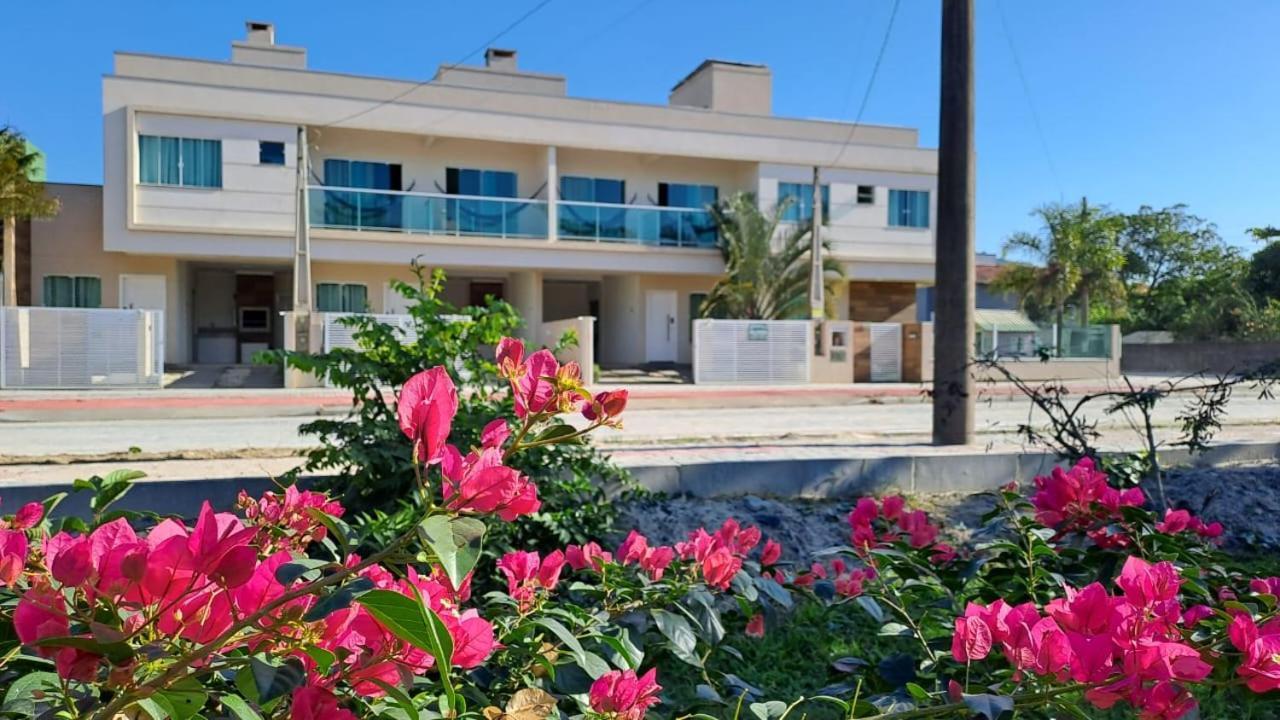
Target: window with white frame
<point x="179" y="162"/>
<point x="798" y="199"/>
<point x="909" y="208"/>
<point x="342" y="297"/>
<point x="79" y="291"/>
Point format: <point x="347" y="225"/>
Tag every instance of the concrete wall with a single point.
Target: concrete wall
<point x="622" y="315"/>
<point x="1217" y="357"/>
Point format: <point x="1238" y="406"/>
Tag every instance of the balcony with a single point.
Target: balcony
<point x="426" y="213"/>
<point x="641" y="225"/>
<point x="343" y="208"/>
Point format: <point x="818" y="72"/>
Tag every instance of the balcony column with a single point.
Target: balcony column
<point x="525" y="288"/>
<point x="553" y="195"/>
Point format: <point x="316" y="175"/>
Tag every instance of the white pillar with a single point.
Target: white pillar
<point x="553" y="195"/>
<point x="526" y="295"/>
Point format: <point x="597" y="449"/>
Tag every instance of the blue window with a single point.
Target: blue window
<point x="483" y="217"/>
<point x="799" y="202"/>
<point x="340" y="297"/>
<point x="180" y="162"/>
<point x="72" y="291"/>
<point x="374" y="210"/>
<point x="909" y="208"/>
<point x="593" y="221"/>
<point x="270" y="153"/>
<point x="688" y="229"/>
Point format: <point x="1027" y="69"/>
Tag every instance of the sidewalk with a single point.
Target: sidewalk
<point x="67" y="405"/>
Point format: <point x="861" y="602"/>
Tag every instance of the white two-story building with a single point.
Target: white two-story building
<point x="563" y="206"/>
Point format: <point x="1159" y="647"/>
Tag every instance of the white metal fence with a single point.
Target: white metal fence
<point x="339" y="334"/>
<point x="76" y="348"/>
<point x="752" y="351"/>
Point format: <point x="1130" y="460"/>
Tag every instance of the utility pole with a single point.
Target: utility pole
<point x="817" y="289"/>
<point x="953" y="328"/>
<point x="302" y="253"/>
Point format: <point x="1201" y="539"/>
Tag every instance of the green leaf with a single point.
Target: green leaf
<point x="872" y="607"/>
<point x="555" y="433"/>
<point x="679" y="635"/>
<point x="412" y="621"/>
<point x="918" y="692"/>
<point x="237" y="706"/>
<point x="774" y="591"/>
<point x="155" y="710"/>
<point x="321" y="657"/>
<point x="273" y="681"/>
<point x="116" y="652"/>
<point x="456" y="543"/>
<point x="990" y="707"/>
<point x="337" y="528"/>
<point x="768" y="710"/>
<point x="294" y="569"/>
<point x="21" y="700"/>
<point x="401" y="699"/>
<point x="562" y="633"/>
<point x="182" y="699"/>
<point x="894" y="630"/>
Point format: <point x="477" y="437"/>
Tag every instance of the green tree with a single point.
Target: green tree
<point x="1165" y="251"/>
<point x="1075" y="259"/>
<point x="766" y="264"/>
<point x="21" y="198"/>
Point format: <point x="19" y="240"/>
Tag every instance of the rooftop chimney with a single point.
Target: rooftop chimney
<point x="259" y="48"/>
<point x="726" y="86"/>
<point x="499" y="59"/>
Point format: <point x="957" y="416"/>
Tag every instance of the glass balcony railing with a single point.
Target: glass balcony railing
<point x="429" y="213"/>
<point x="642" y="225"/>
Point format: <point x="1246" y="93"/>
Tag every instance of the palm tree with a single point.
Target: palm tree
<point x="1075" y="257"/>
<point x="766" y="269"/>
<point x="21" y="197"/>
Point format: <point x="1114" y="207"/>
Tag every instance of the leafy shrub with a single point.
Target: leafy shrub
<point x="367" y="458"/>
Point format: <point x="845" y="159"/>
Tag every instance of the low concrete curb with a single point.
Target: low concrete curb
<point x="834" y="477"/>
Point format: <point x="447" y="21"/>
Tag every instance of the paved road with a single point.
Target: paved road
<point x="651" y="429"/>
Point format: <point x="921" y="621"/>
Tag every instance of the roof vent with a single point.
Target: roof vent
<point x="500" y="59"/>
<point x="259" y="33"/>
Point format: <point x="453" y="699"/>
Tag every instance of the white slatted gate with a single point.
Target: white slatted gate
<point x="80" y="348"/>
<point x="338" y="334"/>
<point x="886" y="352"/>
<point x="752" y="351"/>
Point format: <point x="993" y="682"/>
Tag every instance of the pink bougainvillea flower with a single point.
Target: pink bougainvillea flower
<point x="1089" y="610"/>
<point x="656" y="561"/>
<point x="480" y="482"/>
<point x="510" y="358"/>
<point x="755" y="626"/>
<point x="621" y="695"/>
<point x="1163" y="701"/>
<point x="41" y="613"/>
<point x="606" y="407"/>
<point x="589" y="555"/>
<point x="13" y="556"/>
<point x="527" y="574"/>
<point x="633" y="548"/>
<point x="77" y="664"/>
<point x="771" y="553"/>
<point x="892" y="507"/>
<point x="921" y="532"/>
<point x="973" y="638"/>
<point x="719" y="567"/>
<point x="72" y="562"/>
<point x="473" y="638"/>
<point x="311" y="702"/>
<point x="28" y="516"/>
<point x="426" y="406"/>
<point x="535" y="388"/>
<point x="864" y="512"/>
<point x="1175" y="521"/>
<point x="495" y="434"/>
<point x="1146" y="584"/>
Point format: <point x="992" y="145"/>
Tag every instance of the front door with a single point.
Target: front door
<point x="143" y="292"/>
<point x="660" y="326"/>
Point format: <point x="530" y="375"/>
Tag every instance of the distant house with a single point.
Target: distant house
<point x="986" y="266"/>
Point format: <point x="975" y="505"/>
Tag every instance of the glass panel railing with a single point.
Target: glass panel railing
<point x="435" y="214"/>
<point x="644" y="225"/>
<point x="1090" y="341"/>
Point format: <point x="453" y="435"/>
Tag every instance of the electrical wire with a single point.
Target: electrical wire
<point x="1026" y="91"/>
<point x="871" y="83"/>
<point x="399" y="96"/>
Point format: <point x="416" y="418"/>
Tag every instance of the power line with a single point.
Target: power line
<point x="1026" y="91"/>
<point x="871" y="83"/>
<point x="446" y="69"/>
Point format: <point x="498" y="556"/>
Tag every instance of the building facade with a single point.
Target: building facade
<point x="562" y="206"/>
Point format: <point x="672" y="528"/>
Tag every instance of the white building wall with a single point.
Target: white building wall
<point x="253" y="197"/>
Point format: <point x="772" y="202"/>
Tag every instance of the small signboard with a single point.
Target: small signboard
<point x="758" y="332"/>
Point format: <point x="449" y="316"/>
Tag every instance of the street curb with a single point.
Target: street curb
<point x="811" y="478"/>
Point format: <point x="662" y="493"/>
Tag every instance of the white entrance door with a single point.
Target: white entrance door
<point x="142" y="292"/>
<point x="660" y="326"/>
<point x="886" y="352"/>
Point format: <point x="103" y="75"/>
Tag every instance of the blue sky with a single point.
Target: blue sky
<point x="1141" y="102"/>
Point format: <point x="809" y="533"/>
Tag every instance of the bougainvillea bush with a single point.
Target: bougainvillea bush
<point x="1075" y="600"/>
